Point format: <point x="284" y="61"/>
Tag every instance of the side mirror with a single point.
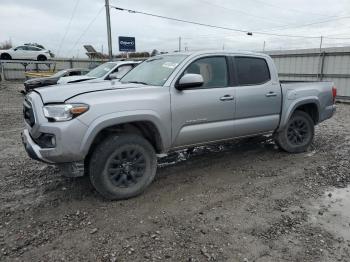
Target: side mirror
<point x="113" y="76"/>
<point x="189" y="81"/>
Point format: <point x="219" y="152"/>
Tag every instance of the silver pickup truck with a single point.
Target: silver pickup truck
<point x="114" y="131"/>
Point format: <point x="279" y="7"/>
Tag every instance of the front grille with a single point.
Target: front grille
<point x="28" y="113"/>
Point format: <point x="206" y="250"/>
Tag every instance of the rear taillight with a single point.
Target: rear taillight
<point x="334" y="93"/>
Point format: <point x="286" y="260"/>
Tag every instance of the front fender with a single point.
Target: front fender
<point x="291" y="105"/>
<point x="120" y="118"/>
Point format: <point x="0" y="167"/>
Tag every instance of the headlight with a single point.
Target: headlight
<point x="64" y="112"/>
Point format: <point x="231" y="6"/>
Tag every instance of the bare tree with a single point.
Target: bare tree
<point x="6" y="44"/>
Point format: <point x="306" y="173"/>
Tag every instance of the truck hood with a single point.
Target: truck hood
<point x="74" y="79"/>
<point x="61" y="93"/>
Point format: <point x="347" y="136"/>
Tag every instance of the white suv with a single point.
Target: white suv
<point x="26" y="52"/>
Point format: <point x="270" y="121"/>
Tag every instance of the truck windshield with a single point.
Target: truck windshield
<point x="101" y="70"/>
<point x="154" y="71"/>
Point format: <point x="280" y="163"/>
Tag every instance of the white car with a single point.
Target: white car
<point x="106" y="71"/>
<point x="26" y="52"/>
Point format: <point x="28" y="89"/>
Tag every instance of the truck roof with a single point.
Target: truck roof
<point x="120" y="62"/>
<point x="223" y="52"/>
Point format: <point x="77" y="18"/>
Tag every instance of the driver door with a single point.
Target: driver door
<point x="204" y="114"/>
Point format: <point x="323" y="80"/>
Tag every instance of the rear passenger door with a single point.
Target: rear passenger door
<point x="258" y="96"/>
<point x="33" y="52"/>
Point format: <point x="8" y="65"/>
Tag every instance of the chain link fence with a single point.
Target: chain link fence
<point x="15" y="70"/>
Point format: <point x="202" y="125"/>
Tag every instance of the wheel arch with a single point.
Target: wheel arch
<point x="310" y="106"/>
<point x="4" y="54"/>
<point x="41" y="55"/>
<point x="147" y="126"/>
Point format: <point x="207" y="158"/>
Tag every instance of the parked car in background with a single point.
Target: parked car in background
<point x="26" y="52"/>
<point x="114" y="130"/>
<point x="52" y="80"/>
<point x="106" y="71"/>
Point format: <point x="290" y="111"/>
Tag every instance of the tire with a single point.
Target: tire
<point x="42" y="58"/>
<point x="298" y="133"/>
<point x="6" y="56"/>
<point x="122" y="166"/>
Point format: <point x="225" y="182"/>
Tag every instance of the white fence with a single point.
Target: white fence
<point x="331" y="64"/>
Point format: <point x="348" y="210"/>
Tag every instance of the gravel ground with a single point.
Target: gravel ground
<point x="240" y="201"/>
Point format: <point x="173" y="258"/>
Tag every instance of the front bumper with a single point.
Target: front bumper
<point x="33" y="150"/>
<point x="72" y="169"/>
<point x="68" y="138"/>
<point x="65" y="150"/>
<point x="68" y="135"/>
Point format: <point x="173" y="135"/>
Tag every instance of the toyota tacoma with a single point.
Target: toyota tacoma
<point x="113" y="131"/>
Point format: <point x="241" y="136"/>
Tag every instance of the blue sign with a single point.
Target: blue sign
<point x="127" y="44"/>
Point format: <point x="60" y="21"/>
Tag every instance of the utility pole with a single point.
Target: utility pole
<point x="264" y="46"/>
<point x="109" y="34"/>
<point x="179" y="43"/>
<point x="321" y="44"/>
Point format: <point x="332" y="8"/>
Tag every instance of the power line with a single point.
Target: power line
<point x="239" y="11"/>
<point x="283" y="8"/>
<point x="211" y="26"/>
<point x="332" y="18"/>
<point x="68" y="26"/>
<point x="177" y="19"/>
<point x="308" y="24"/>
<point x="87" y="28"/>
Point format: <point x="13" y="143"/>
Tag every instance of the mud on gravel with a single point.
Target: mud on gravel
<point x="240" y="201"/>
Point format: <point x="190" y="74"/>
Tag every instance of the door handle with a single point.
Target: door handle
<point x="269" y="94"/>
<point x="226" y="98"/>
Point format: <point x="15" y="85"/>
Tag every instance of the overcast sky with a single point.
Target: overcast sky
<point x="46" y="22"/>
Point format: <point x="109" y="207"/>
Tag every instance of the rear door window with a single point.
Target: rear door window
<point x="252" y="71"/>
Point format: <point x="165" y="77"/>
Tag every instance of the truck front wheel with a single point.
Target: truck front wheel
<point x="122" y="166"/>
<point x="298" y="133"/>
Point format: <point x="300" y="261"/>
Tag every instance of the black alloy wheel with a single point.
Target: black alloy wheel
<point x="126" y="168"/>
<point x="298" y="132"/>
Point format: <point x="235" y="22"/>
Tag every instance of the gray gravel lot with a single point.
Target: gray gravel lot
<point x="239" y="201"/>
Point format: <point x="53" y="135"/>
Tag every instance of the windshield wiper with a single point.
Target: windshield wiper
<point x="137" y="82"/>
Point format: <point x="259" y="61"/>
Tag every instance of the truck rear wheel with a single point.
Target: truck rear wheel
<point x="122" y="166"/>
<point x="298" y="134"/>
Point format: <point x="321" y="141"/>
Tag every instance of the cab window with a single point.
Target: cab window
<point x="212" y="69"/>
<point x="252" y="70"/>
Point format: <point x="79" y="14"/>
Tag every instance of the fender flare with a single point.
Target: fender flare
<point x="124" y="117"/>
<point x="286" y="114"/>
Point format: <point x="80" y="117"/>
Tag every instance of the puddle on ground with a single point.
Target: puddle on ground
<point x="333" y="212"/>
